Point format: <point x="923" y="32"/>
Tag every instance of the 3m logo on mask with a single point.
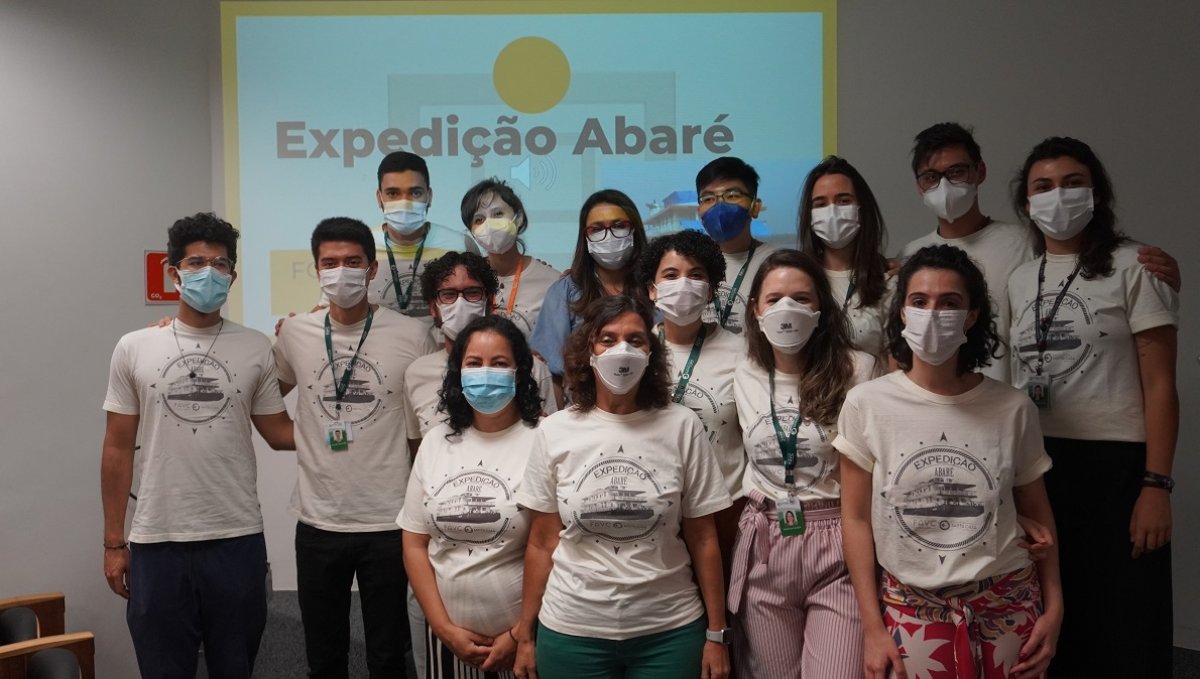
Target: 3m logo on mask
<point x="785" y="326"/>
<point x="624" y="370"/>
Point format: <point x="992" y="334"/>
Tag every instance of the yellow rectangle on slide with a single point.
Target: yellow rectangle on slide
<point x="294" y="285"/>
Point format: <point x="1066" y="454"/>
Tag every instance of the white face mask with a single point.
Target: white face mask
<point x="496" y="234"/>
<point x="949" y="200"/>
<point x="788" y="324"/>
<point x="612" y="252"/>
<point x="1062" y="214"/>
<point x="620" y="367"/>
<point x="344" y="286"/>
<point x="837" y="225"/>
<point x="682" y="300"/>
<point x="405" y="216"/>
<point x="457" y="315"/>
<point x="934" y="336"/>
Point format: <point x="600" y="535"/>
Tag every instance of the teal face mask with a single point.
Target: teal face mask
<point x="204" y="290"/>
<point x="488" y="390"/>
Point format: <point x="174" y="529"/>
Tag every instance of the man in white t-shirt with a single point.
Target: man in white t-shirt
<point x="347" y="364"/>
<point x="194" y="565"/>
<point x="727" y="193"/>
<point x="459" y="287"/>
<point x="949" y="167"/>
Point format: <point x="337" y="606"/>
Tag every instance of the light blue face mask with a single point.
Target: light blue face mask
<point x="488" y="390"/>
<point x="204" y="290"/>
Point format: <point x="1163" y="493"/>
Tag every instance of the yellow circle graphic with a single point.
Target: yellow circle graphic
<point x="531" y="74"/>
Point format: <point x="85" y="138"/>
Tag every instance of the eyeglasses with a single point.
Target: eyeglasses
<point x="196" y="262"/>
<point x="957" y="174"/>
<point x="727" y="196"/>
<point x="598" y="231"/>
<point x="450" y="295"/>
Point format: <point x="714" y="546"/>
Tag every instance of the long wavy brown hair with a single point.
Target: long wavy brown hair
<point x="828" y="361"/>
<point x="653" y="390"/>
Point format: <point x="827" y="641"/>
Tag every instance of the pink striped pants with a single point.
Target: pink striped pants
<point x="794" y="610"/>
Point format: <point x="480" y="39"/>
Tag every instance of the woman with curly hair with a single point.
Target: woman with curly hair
<point x="937" y="462"/>
<point x="621" y="488"/>
<point x="464" y="537"/>
<point x="1094" y="345"/>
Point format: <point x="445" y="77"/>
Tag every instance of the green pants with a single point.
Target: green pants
<point x="674" y="654"/>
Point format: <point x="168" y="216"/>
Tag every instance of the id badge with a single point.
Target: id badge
<point x="1038" y="389"/>
<point x="791" y="516"/>
<point x="338" y="434"/>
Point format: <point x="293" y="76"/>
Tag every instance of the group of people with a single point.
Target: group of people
<point x="699" y="455"/>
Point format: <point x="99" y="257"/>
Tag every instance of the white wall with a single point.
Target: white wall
<point x="105" y="118"/>
<point x="110" y="116"/>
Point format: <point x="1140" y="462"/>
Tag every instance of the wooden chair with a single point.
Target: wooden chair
<point x="50" y="612"/>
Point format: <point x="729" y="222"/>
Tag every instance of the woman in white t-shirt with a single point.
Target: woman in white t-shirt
<point x="793" y="604"/>
<point x="622" y="568"/>
<point x="496" y="218"/>
<point x="1098" y="347"/>
<point x="840" y="224"/>
<point x="937" y="461"/>
<point x="464" y="537"/>
<point x="681" y="272"/>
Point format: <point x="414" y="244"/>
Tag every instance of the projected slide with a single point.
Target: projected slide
<point x="558" y="98"/>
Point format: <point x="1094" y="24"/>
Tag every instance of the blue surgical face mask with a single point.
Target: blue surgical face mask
<point x="204" y="290"/>
<point x="724" y="221"/>
<point x="488" y="390"/>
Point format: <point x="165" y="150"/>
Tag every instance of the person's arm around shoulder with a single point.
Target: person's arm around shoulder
<point x="700" y="536"/>
<point x="116" y="479"/>
<point x="1150" y="525"/>
<point x="544" y="529"/>
<point x="1031" y="501"/>
<point x="1161" y="265"/>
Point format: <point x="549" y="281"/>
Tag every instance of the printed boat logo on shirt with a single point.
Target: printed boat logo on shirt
<point x="943" y="497"/>
<point x="701" y="401"/>
<point x="618" y="496"/>
<point x="814" y="459"/>
<point x="734" y="322"/>
<point x="198" y="388"/>
<point x="517" y="316"/>
<point x="466" y="508"/>
<point x="417" y="307"/>
<point x="359" y="403"/>
<point x="1066" y="350"/>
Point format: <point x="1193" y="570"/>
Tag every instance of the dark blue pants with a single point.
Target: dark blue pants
<point x="326" y="564"/>
<point x="185" y="593"/>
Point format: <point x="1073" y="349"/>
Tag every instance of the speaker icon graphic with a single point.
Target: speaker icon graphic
<point x="541" y="173"/>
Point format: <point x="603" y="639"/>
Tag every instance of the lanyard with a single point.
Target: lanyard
<point x="1041" y="327"/>
<point x="402" y="299"/>
<point x="340" y="386"/>
<point x="723" y="315"/>
<point x="512" y="296"/>
<point x="850" y="291"/>
<point x="787" y="444"/>
<point x="686" y="375"/>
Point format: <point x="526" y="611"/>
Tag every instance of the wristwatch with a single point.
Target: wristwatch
<point x="721" y="636"/>
<point x="1153" y="480"/>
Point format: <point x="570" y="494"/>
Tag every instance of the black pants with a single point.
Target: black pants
<point x="1117" y="620"/>
<point x="326" y="564"/>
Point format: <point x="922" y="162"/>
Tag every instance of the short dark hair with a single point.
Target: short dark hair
<point x="983" y="342"/>
<point x="443" y="267"/>
<point x="202" y="226"/>
<point x="828" y="363"/>
<point x="583" y="267"/>
<point x="652" y="390"/>
<point x="1100" y="237"/>
<point x="937" y="137"/>
<point x="698" y="247"/>
<point x="343" y="229"/>
<point x="870" y="266"/>
<point x="454" y="403"/>
<point x="402" y="161"/>
<point x="495" y="187"/>
<point x="728" y="167"/>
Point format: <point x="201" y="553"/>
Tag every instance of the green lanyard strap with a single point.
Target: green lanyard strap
<point x="787" y="444"/>
<point x="405" y="296"/>
<point x="340" y="386"/>
<point x="686" y="375"/>
<point x="723" y="315"/>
